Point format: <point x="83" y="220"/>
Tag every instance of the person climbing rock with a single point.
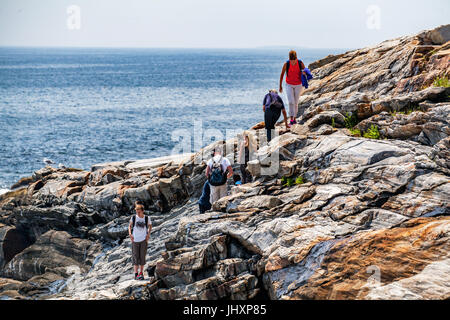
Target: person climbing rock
<point x="218" y="170"/>
<point x="203" y="202"/>
<point x="245" y="147"/>
<point x="273" y="106"/>
<point x="294" y="69"/>
<point x="139" y="230"/>
<point x="237" y="180"/>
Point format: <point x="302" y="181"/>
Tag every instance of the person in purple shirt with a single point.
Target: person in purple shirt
<point x="273" y="106"/>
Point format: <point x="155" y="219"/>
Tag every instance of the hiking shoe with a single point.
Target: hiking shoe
<point x="140" y="276"/>
<point x="136" y="276"/>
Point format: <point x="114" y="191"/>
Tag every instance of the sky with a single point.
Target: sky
<point x="215" y="23"/>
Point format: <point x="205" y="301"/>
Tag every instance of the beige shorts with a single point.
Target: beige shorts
<point x="139" y="251"/>
<point x="217" y="192"/>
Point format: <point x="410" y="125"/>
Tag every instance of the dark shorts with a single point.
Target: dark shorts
<point x="245" y="175"/>
<point x="139" y="251"/>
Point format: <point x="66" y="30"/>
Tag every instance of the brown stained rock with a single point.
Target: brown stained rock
<point x="13" y="198"/>
<point x="364" y="110"/>
<point x="258" y="126"/>
<point x="122" y="189"/>
<point x="106" y="174"/>
<point x="396" y="254"/>
<point x="9" y="289"/>
<point x="22" y="182"/>
<point x="276" y="262"/>
<point x="9" y="284"/>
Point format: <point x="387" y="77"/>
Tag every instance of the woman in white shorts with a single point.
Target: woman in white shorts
<point x="294" y="88"/>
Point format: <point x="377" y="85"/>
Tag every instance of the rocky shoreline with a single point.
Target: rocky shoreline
<point x="368" y="219"/>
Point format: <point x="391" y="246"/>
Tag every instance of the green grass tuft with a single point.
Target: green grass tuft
<point x="299" y="180"/>
<point x="372" y="133"/>
<point x="441" y="82"/>
<point x="289" y="181"/>
<point x="351" y="120"/>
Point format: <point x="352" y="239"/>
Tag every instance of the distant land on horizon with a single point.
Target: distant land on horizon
<point x="184" y="48"/>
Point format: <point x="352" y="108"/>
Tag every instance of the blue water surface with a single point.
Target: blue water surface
<point x="81" y="106"/>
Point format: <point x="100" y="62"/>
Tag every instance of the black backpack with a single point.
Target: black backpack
<point x="217" y="176"/>
<point x="134" y="222"/>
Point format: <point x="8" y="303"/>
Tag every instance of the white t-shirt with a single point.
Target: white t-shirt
<point x="140" y="229"/>
<point x="225" y="162"/>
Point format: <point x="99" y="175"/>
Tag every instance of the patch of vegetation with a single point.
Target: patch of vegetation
<point x="299" y="180"/>
<point x="290" y="181"/>
<point x="333" y="123"/>
<point x="355" y="132"/>
<point x="441" y="82"/>
<point x="351" y="120"/>
<point x="407" y="111"/>
<point x="413" y="108"/>
<point x="372" y="133"/>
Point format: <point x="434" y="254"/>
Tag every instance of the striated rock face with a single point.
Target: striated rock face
<point x="328" y="215"/>
<point x="389" y="256"/>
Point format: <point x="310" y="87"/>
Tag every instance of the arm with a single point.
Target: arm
<point x="148" y="231"/>
<point x="281" y="78"/>
<point x="130" y="232"/>
<point x="208" y="171"/>
<point x="302" y="66"/>
<point x="230" y="172"/>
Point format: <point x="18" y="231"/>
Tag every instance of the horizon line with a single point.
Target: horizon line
<point x="141" y="47"/>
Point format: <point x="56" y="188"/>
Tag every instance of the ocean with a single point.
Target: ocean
<point x="81" y="106"/>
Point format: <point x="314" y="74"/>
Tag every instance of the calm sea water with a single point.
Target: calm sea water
<point x="79" y="107"/>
